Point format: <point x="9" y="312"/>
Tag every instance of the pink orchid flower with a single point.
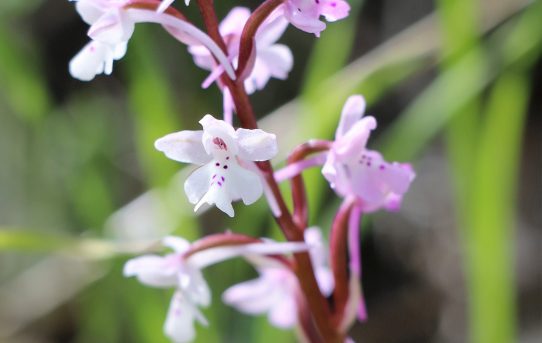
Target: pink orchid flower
<point x="174" y="270"/>
<point x="354" y="170"/>
<point x="224" y="155"/>
<point x="112" y="25"/>
<point x="305" y="14"/>
<point x="276" y="290"/>
<point x="271" y="60"/>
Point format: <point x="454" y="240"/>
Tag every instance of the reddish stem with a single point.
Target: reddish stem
<point x="304" y="271"/>
<point x="339" y="259"/>
<point x="299" y="195"/>
<point x="249" y="31"/>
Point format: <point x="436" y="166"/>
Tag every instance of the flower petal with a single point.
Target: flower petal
<point x="197" y="184"/>
<point x="95" y="58"/>
<point x="112" y="28"/>
<point x="349" y="145"/>
<point x="284" y="312"/>
<point x="256" y="145"/>
<point x="334" y="10"/>
<point x="352" y="112"/>
<point x="183" y="146"/>
<point x="272" y="29"/>
<point x="251" y="297"/>
<point x="374" y="179"/>
<point x="244" y="184"/>
<point x="218" y="136"/>
<point x="218" y="197"/>
<point x="153" y="270"/>
<point x="90" y="11"/>
<point x="211" y="256"/>
<point x="178" y="244"/>
<point x="179" y="325"/>
<point x="278" y="59"/>
<point x="234" y="21"/>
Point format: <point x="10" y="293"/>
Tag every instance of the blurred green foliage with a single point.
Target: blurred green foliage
<point x="68" y="166"/>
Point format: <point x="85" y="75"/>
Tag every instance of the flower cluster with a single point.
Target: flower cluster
<point x="308" y="282"/>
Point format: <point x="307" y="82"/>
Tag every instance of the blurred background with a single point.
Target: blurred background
<point x="454" y="84"/>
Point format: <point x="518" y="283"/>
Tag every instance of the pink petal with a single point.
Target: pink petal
<point x="352" y="112"/>
<point x="234" y="21"/>
<point x="297" y="168"/>
<point x="334" y="10"/>
<point x="251" y="297"/>
<point x="279" y="60"/>
<point x="374" y="179"/>
<point x="284" y="314"/>
<point x="271" y="30"/>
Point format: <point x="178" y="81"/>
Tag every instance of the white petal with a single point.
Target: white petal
<point x="352" y="111"/>
<point x="219" y="197"/>
<point x="179" y="325"/>
<point x="219" y="137"/>
<point x="89" y="10"/>
<point x="90" y="61"/>
<point x="112" y="28"/>
<point x="211" y="256"/>
<point x="153" y="270"/>
<point x="197" y="184"/>
<point x="194" y="286"/>
<point x="184" y="146"/>
<point x="326" y="282"/>
<point x="244" y="184"/>
<point x="178" y="244"/>
<point x="256" y="145"/>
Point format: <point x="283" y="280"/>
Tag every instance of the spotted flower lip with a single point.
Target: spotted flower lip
<point x="223" y="154"/>
<point x="174" y="270"/>
<point x="352" y="169"/>
<point x="274" y="292"/>
<point x="305" y="14"/>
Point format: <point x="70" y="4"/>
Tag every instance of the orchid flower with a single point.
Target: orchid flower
<point x="224" y="155"/>
<point x="354" y="170"/>
<point x="305" y="14"/>
<point x="175" y="270"/>
<point x="271" y="60"/>
<point x="276" y="290"/>
<point x="112" y="25"/>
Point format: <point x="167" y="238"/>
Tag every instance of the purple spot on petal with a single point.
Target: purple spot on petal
<point x="227" y="158"/>
<point x="220" y="144"/>
<point x="333" y="4"/>
<point x="225" y="166"/>
<point x="214" y="176"/>
<point x="217" y="164"/>
<point x="220" y="183"/>
<point x="382" y="167"/>
<point x="223" y="179"/>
